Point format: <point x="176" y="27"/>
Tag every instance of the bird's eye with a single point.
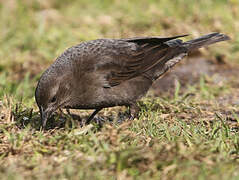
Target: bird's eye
<point x="53" y="99"/>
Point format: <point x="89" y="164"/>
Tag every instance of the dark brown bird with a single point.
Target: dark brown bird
<point x="111" y="72"/>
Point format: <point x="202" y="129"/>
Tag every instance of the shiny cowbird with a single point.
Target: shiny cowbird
<point x="111" y="72"/>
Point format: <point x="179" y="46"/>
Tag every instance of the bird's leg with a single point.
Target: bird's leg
<point x="68" y="112"/>
<point x="133" y="111"/>
<point x="61" y="111"/>
<point x="92" y="115"/>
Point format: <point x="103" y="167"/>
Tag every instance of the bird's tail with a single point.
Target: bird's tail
<point x="205" y="41"/>
<point x="181" y="49"/>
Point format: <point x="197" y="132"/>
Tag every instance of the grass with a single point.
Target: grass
<point x="187" y="132"/>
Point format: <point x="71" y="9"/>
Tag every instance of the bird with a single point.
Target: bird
<point x="104" y="73"/>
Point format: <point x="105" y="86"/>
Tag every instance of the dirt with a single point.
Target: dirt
<point x="189" y="71"/>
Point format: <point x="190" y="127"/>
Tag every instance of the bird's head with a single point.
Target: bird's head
<point x="53" y="91"/>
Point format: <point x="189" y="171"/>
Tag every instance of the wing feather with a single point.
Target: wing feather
<point x="150" y="52"/>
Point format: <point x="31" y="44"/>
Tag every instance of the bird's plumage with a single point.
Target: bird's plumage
<point x="109" y="72"/>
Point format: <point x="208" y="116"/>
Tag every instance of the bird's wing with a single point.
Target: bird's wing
<point x="129" y="63"/>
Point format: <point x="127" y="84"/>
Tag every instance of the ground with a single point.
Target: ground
<point x="189" y="121"/>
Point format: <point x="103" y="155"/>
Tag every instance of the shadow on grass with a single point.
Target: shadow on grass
<point x="25" y="117"/>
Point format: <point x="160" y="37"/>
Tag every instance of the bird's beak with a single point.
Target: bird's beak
<point x="45" y="115"/>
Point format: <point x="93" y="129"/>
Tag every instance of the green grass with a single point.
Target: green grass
<point x="191" y="133"/>
<point x="179" y="138"/>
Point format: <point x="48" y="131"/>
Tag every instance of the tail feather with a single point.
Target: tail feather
<point x="205" y="41"/>
<point x="177" y="50"/>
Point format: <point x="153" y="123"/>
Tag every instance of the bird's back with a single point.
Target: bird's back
<point x="109" y="72"/>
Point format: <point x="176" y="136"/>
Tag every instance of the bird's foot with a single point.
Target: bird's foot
<point x="133" y="111"/>
<point x="99" y="120"/>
